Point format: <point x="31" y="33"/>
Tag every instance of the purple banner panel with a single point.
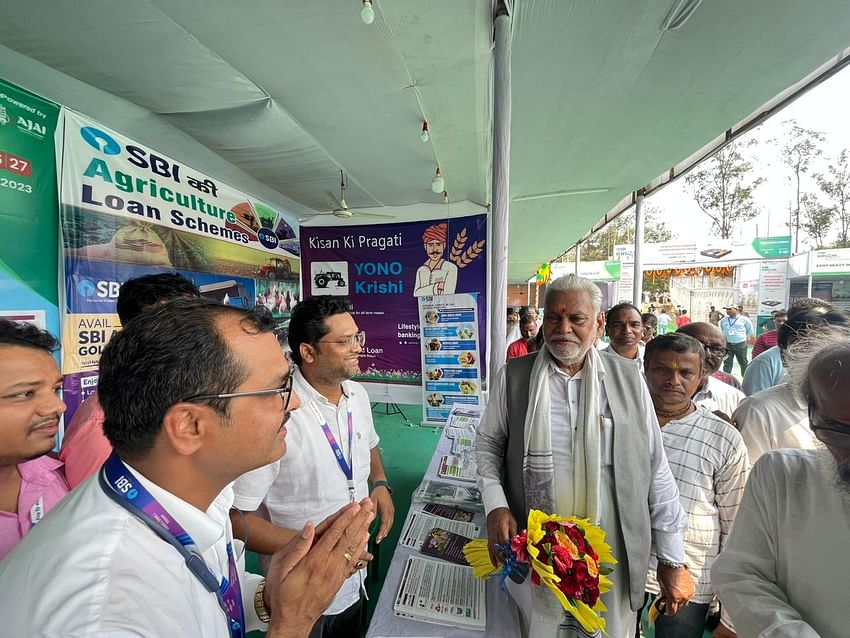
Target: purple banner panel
<point x="383" y="269"/>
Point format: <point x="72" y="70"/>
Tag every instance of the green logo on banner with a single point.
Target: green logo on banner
<point x="773" y="247"/>
<point x="613" y="268"/>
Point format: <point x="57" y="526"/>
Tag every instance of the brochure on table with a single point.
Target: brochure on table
<point x="438" y="592"/>
<point x="451" y="370"/>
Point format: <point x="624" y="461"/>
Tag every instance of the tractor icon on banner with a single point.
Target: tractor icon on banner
<point x="322" y="279"/>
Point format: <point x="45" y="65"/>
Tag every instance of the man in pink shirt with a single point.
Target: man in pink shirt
<point x="30" y="481"/>
<point x="85" y="448"/>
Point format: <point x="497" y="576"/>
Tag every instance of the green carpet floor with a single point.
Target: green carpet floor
<point x="406" y="451"/>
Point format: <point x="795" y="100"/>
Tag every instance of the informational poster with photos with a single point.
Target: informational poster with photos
<point x="451" y="363"/>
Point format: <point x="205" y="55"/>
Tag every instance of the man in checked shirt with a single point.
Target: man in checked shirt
<point x="709" y="462"/>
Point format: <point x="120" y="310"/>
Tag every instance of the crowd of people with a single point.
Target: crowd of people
<point x="727" y="509"/>
<point x="200" y="442"/>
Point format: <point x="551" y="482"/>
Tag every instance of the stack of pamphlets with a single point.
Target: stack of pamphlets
<point x="463" y="444"/>
<point x="463" y="421"/>
<point x="436" y="591"/>
<point x="445" y="545"/>
<point x="449" y="512"/>
<point x="465" y="496"/>
<point x="419" y="524"/>
<point x="461" y="467"/>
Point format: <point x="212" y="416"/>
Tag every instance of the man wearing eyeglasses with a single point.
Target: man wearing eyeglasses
<point x="194" y="394"/>
<point x="783" y="572"/>
<point x="333" y="452"/>
<point x="713" y="394"/>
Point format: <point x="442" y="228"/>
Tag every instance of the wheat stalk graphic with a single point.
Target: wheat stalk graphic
<point x="464" y="258"/>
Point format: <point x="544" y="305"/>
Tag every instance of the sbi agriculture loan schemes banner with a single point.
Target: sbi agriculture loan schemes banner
<point x="384" y="269"/>
<point x="129" y="211"/>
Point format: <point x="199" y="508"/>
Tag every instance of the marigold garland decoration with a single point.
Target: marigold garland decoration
<point x="568" y="555"/>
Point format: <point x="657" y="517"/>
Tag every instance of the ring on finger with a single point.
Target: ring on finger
<point x="359" y="564"/>
<point x="347" y="557"/>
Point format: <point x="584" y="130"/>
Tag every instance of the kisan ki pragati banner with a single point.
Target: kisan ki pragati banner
<point x="384" y="269"/>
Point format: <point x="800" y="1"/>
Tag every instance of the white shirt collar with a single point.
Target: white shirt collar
<point x="308" y="393"/>
<point x="205" y="528"/>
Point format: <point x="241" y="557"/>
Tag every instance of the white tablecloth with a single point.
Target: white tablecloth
<point x="502" y="615"/>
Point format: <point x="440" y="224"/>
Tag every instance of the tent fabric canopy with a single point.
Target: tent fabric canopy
<point x="284" y="94"/>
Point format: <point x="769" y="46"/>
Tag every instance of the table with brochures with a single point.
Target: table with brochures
<point x="502" y="619"/>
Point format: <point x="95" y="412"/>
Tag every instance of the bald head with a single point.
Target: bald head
<point x="819" y="365"/>
<point x="699" y="329"/>
<point x="711" y="337"/>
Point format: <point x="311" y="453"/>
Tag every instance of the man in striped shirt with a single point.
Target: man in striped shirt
<point x="709" y="462"/>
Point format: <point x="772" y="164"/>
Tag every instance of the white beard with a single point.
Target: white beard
<point x="835" y="474"/>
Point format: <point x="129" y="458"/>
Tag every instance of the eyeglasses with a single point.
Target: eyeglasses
<point x="836" y="436"/>
<point x="718" y="351"/>
<point x="352" y="342"/>
<point x="285" y="392"/>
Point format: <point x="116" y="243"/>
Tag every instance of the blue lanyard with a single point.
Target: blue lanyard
<point x="123" y="488"/>
<point x="346" y="466"/>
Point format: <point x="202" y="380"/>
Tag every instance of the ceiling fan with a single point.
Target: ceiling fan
<point x="342" y="210"/>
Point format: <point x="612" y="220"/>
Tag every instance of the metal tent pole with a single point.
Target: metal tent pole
<point x="500" y="186"/>
<point x="637" y="285"/>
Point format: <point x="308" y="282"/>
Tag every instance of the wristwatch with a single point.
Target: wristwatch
<point x="260" y="604"/>
<point x="670" y="564"/>
<point x="385" y="484"/>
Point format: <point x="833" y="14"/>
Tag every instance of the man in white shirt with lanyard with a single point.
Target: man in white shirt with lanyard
<point x="333" y="451"/>
<point x="739" y="332"/>
<point x="195" y="394"/>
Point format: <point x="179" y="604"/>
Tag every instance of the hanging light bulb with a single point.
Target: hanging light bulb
<point x="425" y="136"/>
<point x="367" y="13"/>
<point x="438" y="184"/>
<point x="445" y="197"/>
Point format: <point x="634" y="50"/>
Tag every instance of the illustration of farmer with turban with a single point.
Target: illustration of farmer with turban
<point x="436" y="276"/>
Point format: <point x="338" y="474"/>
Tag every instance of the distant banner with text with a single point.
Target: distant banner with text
<point x="384" y="269"/>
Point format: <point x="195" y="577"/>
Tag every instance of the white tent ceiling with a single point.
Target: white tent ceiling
<point x="288" y="92"/>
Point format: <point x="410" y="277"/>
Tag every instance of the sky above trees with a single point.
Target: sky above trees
<point x="774" y="199"/>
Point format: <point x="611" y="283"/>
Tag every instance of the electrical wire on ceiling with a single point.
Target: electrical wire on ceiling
<point x="680" y="12"/>
<point x="384" y="24"/>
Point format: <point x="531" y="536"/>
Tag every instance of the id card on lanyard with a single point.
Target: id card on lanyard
<point x="122" y="487"/>
<point x="347" y="467"/>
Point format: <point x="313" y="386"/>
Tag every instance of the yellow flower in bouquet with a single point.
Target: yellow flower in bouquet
<point x="568" y="555"/>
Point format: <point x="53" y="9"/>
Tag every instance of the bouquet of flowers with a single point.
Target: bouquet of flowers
<point x="569" y="555"/>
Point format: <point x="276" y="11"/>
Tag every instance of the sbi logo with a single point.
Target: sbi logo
<point x="100" y="141"/>
<point x="102" y="289"/>
<point x="85" y="287"/>
<point x="132" y="494"/>
<point x="267" y="238"/>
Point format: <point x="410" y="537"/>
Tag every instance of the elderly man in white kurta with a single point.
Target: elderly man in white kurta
<point x="783" y="572"/>
<point x="571" y="431"/>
